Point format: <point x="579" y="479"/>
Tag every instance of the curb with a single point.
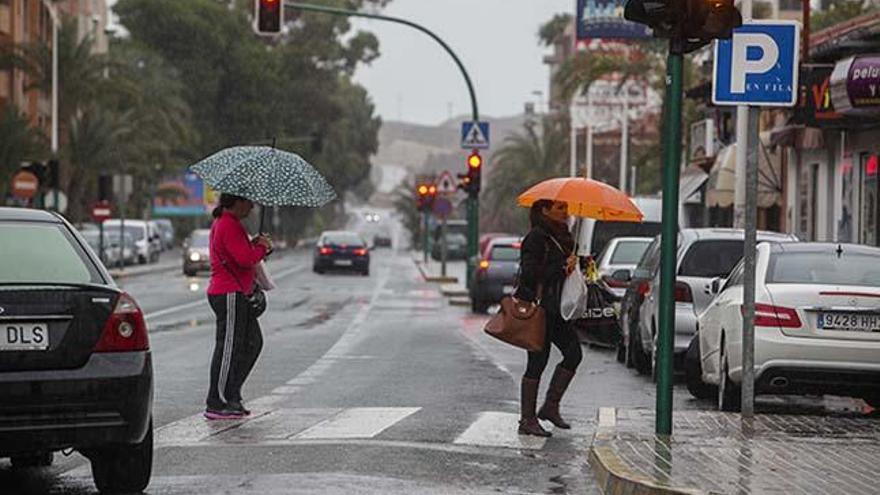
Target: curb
<point x="460" y="301"/>
<point x="433" y="278"/>
<point x="612" y="474"/>
<point x="118" y="274"/>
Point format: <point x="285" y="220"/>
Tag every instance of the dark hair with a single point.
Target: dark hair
<point x="226" y="201"/>
<point x="536" y="213"/>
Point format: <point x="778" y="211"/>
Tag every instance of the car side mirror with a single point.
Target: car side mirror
<point x="623" y="275"/>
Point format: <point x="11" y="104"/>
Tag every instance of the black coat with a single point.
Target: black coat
<point x="542" y="263"/>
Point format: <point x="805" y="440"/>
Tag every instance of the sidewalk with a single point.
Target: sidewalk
<point x="711" y="453"/>
<point x="452" y="285"/>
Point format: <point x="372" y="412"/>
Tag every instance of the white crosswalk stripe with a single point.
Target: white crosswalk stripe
<point x="498" y="429"/>
<point x="360" y="422"/>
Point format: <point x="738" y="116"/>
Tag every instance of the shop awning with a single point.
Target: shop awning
<point x="692" y="180"/>
<point x="722" y="178"/>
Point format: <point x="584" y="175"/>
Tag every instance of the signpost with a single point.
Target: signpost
<point x="757" y="66"/>
<point x="442" y="208"/>
<point x="101" y="211"/>
<point x="474" y="135"/>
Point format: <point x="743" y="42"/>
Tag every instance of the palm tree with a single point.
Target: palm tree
<point x="538" y="152"/>
<point x="18" y="142"/>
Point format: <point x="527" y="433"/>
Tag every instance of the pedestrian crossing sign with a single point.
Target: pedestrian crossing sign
<point x="446" y="184"/>
<point x="475" y="135"/>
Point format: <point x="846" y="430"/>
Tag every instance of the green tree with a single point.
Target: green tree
<point x="551" y="30"/>
<point x="840" y="11"/>
<point x="538" y="152"/>
<point x="404" y="203"/>
<point x="18" y="142"/>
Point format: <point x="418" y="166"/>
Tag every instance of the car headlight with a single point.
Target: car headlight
<point x="194" y="256"/>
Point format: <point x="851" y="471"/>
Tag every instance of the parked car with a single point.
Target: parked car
<point x="75" y="364"/>
<point x="166" y="231"/>
<point x="340" y="250"/>
<point x="631" y="303"/>
<point x="619" y="259"/>
<point x="196" y="256"/>
<point x="382" y="240"/>
<point x="456" y="247"/>
<point x="144" y="234"/>
<point x="111" y="255"/>
<point x="817" y="325"/>
<point x="703" y="254"/>
<point x="495" y="274"/>
<point x="595" y="234"/>
<point x="156" y="237"/>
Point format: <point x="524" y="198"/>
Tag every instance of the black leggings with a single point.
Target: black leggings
<point x="237" y="346"/>
<point x="563" y="337"/>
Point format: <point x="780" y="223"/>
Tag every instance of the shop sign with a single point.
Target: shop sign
<point x="815" y="107"/>
<point x="855" y="85"/>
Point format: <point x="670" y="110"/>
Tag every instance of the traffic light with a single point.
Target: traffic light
<point x="422" y="198"/>
<point x="269" y="16"/>
<point x="696" y="21"/>
<point x="475" y="168"/>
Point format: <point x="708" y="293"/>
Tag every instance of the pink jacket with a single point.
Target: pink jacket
<point x="233" y="256"/>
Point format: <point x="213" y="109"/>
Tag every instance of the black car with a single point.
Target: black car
<point x="637" y="287"/>
<point x="495" y="275"/>
<point x="339" y="250"/>
<point x="75" y="364"/>
<point x="196" y="255"/>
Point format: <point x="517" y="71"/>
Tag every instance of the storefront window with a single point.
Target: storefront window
<point x="848" y="202"/>
<point x="868" y="166"/>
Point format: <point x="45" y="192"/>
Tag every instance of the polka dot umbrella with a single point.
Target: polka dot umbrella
<point x="265" y="175"/>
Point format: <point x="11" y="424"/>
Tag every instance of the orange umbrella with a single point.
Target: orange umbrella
<point x="585" y="198"/>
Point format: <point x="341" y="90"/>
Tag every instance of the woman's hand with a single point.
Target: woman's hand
<point x="264" y="241"/>
<point x="571" y="264"/>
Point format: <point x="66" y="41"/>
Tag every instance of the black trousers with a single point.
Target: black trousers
<point x="560" y="334"/>
<point x="237" y="345"/>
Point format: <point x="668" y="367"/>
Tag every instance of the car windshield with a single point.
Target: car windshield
<point x="504" y="253"/>
<point x="824" y="268"/>
<point x="456" y="239"/>
<point x="344" y="239"/>
<point x="200" y="240"/>
<point x="42" y="254"/>
<point x="137" y="233"/>
<point x="629" y="252"/>
<point x="710" y="259"/>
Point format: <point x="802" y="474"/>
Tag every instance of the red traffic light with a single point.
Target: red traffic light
<point x="269" y="16"/>
<point x="432" y="190"/>
<point x="422" y="189"/>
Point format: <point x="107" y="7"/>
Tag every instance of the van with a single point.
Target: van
<point x="595" y="234"/>
<point x="145" y="234"/>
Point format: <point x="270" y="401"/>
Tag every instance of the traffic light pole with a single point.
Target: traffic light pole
<point x="669" y="235"/>
<point x="473" y="206"/>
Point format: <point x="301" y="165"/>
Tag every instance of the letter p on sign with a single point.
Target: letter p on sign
<point x="758" y="65"/>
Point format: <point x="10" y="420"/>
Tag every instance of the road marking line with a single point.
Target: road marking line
<point x="498" y="429"/>
<point x="279" y="424"/>
<point x="286" y="390"/>
<point x="359" y="422"/>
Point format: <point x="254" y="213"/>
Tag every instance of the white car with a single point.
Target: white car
<point x="817" y="324"/>
<point x="146" y="237"/>
<point x="619" y="259"/>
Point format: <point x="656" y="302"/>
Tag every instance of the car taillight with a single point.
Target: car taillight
<point x="644" y="289"/>
<point x="125" y="329"/>
<point x="767" y="315"/>
<point x="325" y="251"/>
<point x="683" y="293"/>
<point x="360" y="252"/>
<point x="613" y="283"/>
<point x="484" y="264"/>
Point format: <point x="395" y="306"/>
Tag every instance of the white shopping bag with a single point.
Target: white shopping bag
<point x="573" y="302"/>
<point x="264" y="279"/>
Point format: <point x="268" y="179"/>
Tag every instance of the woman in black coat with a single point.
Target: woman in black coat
<point x="547" y="257"/>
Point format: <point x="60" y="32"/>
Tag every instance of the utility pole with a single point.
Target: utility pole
<point x="624" y="140"/>
<point x="473" y="201"/>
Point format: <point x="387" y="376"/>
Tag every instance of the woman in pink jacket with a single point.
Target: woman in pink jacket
<point x="234" y="256"/>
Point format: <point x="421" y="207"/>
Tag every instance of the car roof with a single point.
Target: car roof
<point x="28" y="215"/>
<point x="822" y="247"/>
<point x="504" y="240"/>
<point x="632" y="239"/>
<point x="728" y="233"/>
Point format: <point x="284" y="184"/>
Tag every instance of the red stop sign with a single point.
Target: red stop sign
<point x="101" y="210"/>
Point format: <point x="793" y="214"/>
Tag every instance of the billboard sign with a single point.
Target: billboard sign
<point x="181" y="196"/>
<point x="603" y="19"/>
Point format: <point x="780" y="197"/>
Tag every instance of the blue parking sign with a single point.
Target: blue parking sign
<point x="758" y="65"/>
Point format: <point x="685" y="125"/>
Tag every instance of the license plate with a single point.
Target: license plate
<point x="342" y="262"/>
<point x="508" y="289"/>
<point x="24" y="337"/>
<point x="853" y="322"/>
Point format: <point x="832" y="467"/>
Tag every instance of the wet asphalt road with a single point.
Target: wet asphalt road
<point x="365" y="385"/>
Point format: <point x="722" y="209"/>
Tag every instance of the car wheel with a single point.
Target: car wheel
<point x="478" y="306"/>
<point x="190" y="273"/>
<point x="34" y="460"/>
<point x="142" y="260"/>
<point x="366" y="273"/>
<point x="693" y="373"/>
<point x="639" y="359"/>
<point x="124" y="468"/>
<point x="728" y="393"/>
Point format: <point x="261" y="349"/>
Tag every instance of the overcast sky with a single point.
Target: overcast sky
<point x="415" y="81"/>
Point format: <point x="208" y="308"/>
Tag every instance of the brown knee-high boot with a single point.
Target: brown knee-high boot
<point x="528" y="422"/>
<point x="558" y="384"/>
